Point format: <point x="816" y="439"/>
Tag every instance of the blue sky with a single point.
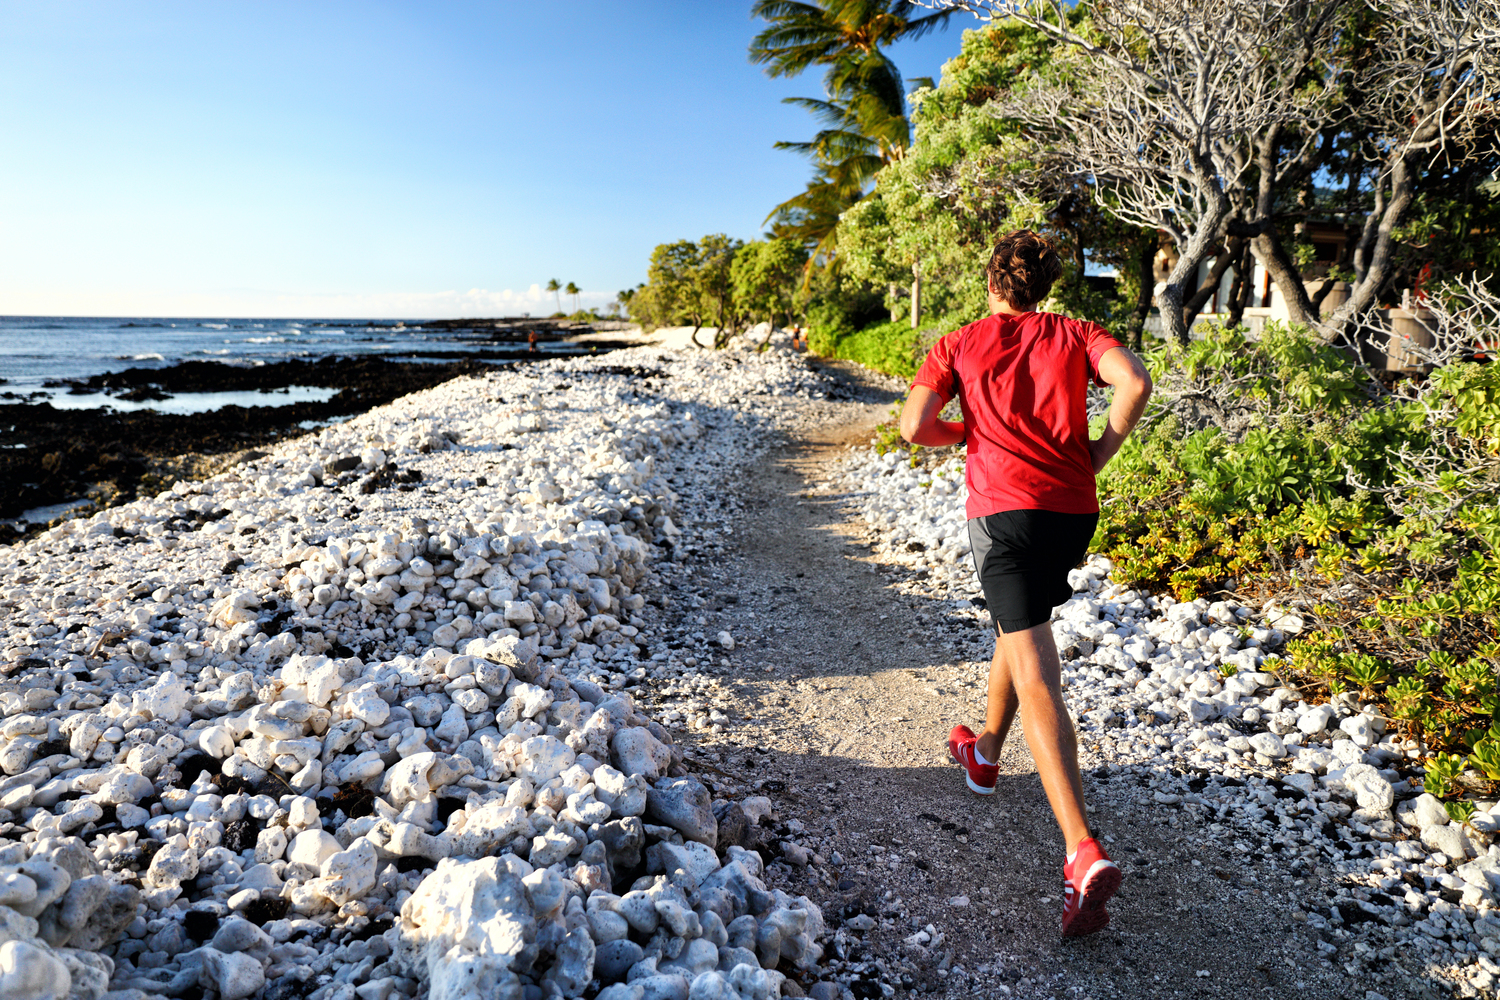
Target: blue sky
<point x="379" y="159"/>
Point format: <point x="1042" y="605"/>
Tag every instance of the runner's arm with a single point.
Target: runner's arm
<point x="920" y="423"/>
<point x="1132" y="383"/>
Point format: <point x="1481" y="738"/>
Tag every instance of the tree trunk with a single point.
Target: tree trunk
<point x="891" y="291"/>
<point x="1194" y="305"/>
<point x="916" y="294"/>
<point x="1239" y="291"/>
<point x="1283" y="270"/>
<point x="728" y="325"/>
<point x="1145" y="261"/>
<point x="1169" y="300"/>
<point x="1377" y="264"/>
<point x="1205" y="236"/>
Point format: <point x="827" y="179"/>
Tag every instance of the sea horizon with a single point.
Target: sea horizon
<point x="36" y="352"/>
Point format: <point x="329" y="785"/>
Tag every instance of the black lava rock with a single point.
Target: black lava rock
<point x="241" y="834"/>
<point x="200" y="925"/>
<point x="194" y="765"/>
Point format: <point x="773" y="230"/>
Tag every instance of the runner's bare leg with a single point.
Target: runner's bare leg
<point x="1000" y="706"/>
<point x="1026" y="673"/>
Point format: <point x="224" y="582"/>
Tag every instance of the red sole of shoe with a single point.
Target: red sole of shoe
<point x="1097" y="891"/>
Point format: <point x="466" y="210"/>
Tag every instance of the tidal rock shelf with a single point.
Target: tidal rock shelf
<point x="51" y="456"/>
<point x="1183" y="705"/>
<point x="356" y="719"/>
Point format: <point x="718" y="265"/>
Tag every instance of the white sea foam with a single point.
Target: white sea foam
<point x="139" y="357"/>
<point x="214" y="326"/>
<point x="265" y="340"/>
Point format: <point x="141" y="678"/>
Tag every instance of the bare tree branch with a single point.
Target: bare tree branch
<point x="1194" y="116"/>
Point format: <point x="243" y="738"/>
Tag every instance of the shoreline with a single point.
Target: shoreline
<point x="57" y="463"/>
<point x="52" y="456"/>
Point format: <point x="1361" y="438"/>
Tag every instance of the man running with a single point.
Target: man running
<point x="1021" y="378"/>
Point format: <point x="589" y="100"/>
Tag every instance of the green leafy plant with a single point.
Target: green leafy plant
<point x="1443" y="770"/>
<point x="1366" y="671"/>
<point x="1486" y="757"/>
<point x="1460" y="810"/>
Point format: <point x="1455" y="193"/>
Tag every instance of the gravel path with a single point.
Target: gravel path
<point x="848" y="689"/>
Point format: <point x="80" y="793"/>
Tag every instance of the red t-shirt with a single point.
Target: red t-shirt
<point x="1022" y="382"/>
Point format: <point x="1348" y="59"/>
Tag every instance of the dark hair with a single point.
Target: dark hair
<point x="1023" y="268"/>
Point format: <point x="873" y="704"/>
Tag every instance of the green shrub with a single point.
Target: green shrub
<point x="892" y="347"/>
<point x="886" y="347"/>
<point x="1281" y="468"/>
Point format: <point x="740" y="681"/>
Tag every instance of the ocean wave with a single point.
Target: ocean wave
<point x="265" y="340"/>
<point x="207" y="350"/>
<point x="139" y="357"/>
<point x="214" y="326"/>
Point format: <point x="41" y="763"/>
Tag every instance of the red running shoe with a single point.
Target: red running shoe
<point x="1088" y="882"/>
<point x="981" y="777"/>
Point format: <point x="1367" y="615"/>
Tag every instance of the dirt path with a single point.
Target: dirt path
<point x="850" y="691"/>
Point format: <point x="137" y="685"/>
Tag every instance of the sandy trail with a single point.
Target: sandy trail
<point x="851" y="690"/>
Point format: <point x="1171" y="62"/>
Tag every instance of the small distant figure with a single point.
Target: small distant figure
<point x="531" y="341"/>
<point x="797" y="342"/>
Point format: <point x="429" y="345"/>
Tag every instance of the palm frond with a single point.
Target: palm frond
<point x="918" y="26"/>
<point x="827" y="112"/>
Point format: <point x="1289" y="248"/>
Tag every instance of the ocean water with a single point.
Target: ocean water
<point x="36" y="349"/>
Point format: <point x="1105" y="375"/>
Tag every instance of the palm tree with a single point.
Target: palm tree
<point x="573" y="290"/>
<point x="864" y="112"/>
<point x="553" y="286"/>
<point x="844" y="35"/>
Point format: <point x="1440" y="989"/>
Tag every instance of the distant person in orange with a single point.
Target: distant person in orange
<point x="531" y="341"/>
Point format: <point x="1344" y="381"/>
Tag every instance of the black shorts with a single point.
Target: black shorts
<point x="1023" y="558"/>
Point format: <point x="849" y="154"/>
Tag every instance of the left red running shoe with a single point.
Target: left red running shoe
<point x="1090" y="879"/>
<point x="981" y="778"/>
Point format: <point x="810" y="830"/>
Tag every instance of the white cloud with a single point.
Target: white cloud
<point x="449" y="304"/>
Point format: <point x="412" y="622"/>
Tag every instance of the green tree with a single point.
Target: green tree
<point x="573" y="290"/>
<point x="1215" y="122"/>
<point x="972" y="175"/>
<point x="714" y="287"/>
<point x="669" y="296"/>
<point x="554" y="286"/>
<point x="765" y="276"/>
<point x="847" y="37"/>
